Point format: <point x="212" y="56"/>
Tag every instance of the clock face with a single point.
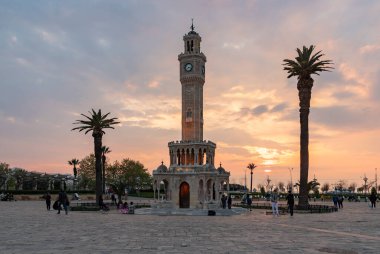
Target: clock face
<point x="203" y="70"/>
<point x="188" y="67"/>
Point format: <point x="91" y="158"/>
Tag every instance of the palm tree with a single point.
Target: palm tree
<point x="251" y="166"/>
<point x="305" y="64"/>
<point x="105" y="150"/>
<point x="74" y="162"/>
<point x="96" y="122"/>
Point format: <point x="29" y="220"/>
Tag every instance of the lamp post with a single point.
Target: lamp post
<point x="376" y="178"/>
<point x="245" y="180"/>
<point x="291" y="179"/>
<point x="365" y="179"/>
<point x="268" y="182"/>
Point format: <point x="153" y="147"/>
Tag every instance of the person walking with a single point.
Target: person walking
<point x="48" y="201"/>
<point x="274" y="202"/>
<point x="249" y="202"/>
<point x="290" y="201"/>
<point x="229" y="201"/>
<point x="373" y="198"/>
<point x="340" y="201"/>
<point x="62" y="201"/>
<point x="224" y="199"/>
<point x="113" y="198"/>
<point x="335" y="200"/>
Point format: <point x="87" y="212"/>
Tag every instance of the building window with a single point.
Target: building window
<point x="189" y="115"/>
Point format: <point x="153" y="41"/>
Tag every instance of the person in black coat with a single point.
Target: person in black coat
<point x="48" y="201"/>
<point x="229" y="201"/>
<point x="223" y="200"/>
<point x="373" y="198"/>
<point x="290" y="200"/>
<point x="62" y="201"/>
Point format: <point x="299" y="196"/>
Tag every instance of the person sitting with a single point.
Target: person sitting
<point x="131" y="208"/>
<point x="124" y="208"/>
<point x="102" y="205"/>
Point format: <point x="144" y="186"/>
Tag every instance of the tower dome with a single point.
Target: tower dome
<point x="162" y="168"/>
<point x="221" y="170"/>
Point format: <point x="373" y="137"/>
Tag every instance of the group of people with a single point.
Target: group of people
<point x="274" y="202"/>
<point x="338" y="201"/>
<point x="274" y="197"/>
<point x="127" y="209"/>
<point x="62" y="201"/>
<point x="226" y="201"/>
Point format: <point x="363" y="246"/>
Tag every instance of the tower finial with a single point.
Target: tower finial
<point x="192" y="25"/>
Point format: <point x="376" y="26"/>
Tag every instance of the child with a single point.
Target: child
<point x="124" y="208"/>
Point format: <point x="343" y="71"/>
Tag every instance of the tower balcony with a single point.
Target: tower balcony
<point x="192" y="153"/>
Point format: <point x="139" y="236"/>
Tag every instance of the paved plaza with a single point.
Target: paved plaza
<point x="26" y="227"/>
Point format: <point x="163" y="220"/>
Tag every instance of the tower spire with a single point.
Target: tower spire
<point x="192" y="25"/>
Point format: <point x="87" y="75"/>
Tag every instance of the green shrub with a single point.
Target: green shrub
<point x="84" y="208"/>
<point x="41" y="192"/>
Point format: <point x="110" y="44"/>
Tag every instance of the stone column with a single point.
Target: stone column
<point x="154" y="192"/>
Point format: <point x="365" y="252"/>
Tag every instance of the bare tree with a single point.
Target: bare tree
<point x="340" y="185"/>
<point x="281" y="186"/>
<point x="289" y="186"/>
<point x="352" y="187"/>
<point x="325" y="187"/>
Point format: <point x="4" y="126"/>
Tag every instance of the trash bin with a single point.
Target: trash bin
<point x="211" y="213"/>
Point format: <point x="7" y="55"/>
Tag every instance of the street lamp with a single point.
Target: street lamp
<point x="268" y="182"/>
<point x="291" y="179"/>
<point x="376" y="178"/>
<point x="365" y="179"/>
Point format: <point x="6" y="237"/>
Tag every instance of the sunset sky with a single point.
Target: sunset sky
<point x="61" y="58"/>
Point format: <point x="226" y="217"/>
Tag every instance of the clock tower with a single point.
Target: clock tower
<point x="191" y="180"/>
<point x="192" y="76"/>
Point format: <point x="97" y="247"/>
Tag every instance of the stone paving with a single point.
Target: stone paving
<point x="26" y="227"/>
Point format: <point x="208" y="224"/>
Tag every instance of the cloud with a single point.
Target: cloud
<point x="369" y="48"/>
<point x="236" y="46"/>
<point x="122" y="58"/>
<point x="279" y="107"/>
<point x="344" y="118"/>
<point x="259" y="110"/>
<point x="153" y="84"/>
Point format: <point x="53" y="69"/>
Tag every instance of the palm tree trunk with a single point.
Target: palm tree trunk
<point x="98" y="164"/>
<point x="304" y="93"/>
<point x="104" y="174"/>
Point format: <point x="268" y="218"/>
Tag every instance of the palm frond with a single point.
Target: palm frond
<point x="306" y="63"/>
<point x="95" y="121"/>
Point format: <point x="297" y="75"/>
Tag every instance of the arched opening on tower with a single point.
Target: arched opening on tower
<point x="187" y="157"/>
<point x="192" y="157"/>
<point x="200" y="157"/>
<point x="166" y="190"/>
<point x="209" y="190"/>
<point x="184" y="195"/>
<point x="179" y="161"/>
<point x="183" y="157"/>
<point x="201" y="191"/>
